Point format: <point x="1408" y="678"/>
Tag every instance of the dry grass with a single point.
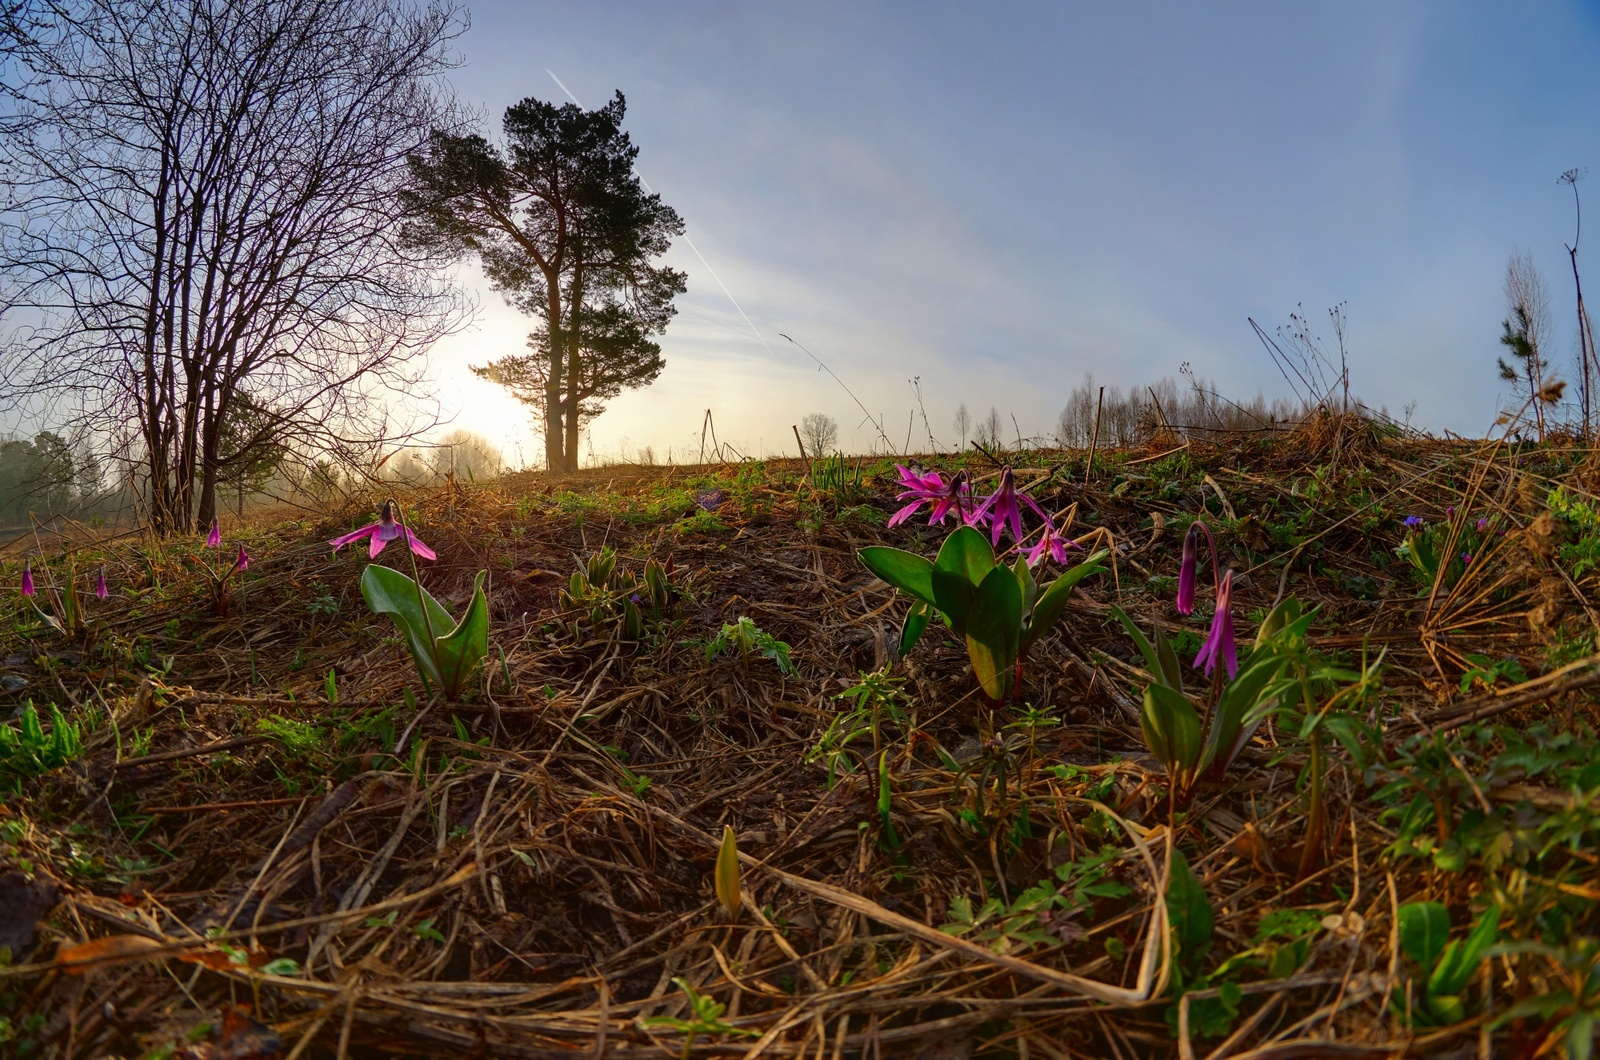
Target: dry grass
<point x="510" y="886"/>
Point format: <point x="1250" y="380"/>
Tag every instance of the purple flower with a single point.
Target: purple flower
<point x="214" y="538"/>
<point x="1052" y="543"/>
<point x="100" y="590"/>
<point x="930" y="489"/>
<point x="1186" y="568"/>
<point x="709" y="500"/>
<point x="1450" y="512"/>
<point x="385" y="530"/>
<point x="1220" y="640"/>
<point x="1483" y="524"/>
<point x="1466" y="558"/>
<point x="1003" y="508"/>
<point x="1413" y="522"/>
<point x="242" y="562"/>
<point x="27" y="577"/>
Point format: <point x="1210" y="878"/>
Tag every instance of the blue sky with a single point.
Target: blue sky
<point x="999" y="198"/>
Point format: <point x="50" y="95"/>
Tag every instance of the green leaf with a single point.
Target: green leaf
<point x="1171" y="731"/>
<point x="1152" y="660"/>
<point x="1052" y="603"/>
<point x="1189" y="910"/>
<point x="912" y="629"/>
<point x="448" y="658"/>
<point x="994" y="630"/>
<point x="461" y="651"/>
<point x="1171" y="673"/>
<point x="1580" y="1036"/>
<point x="1244" y="703"/>
<point x="1026" y="582"/>
<point x="910" y="573"/>
<point x="964" y="561"/>
<point x="1424" y="930"/>
<point x="1460" y="960"/>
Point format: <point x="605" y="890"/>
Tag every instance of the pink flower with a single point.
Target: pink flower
<point x="100" y="590"/>
<point x="385" y="530"/>
<point x="1052" y="543"/>
<point x="242" y="562"/>
<point x="27" y="577"/>
<point x="1186" y="569"/>
<point x="930" y="489"/>
<point x="1220" y="640"/>
<point x="214" y="538"/>
<point x="1003" y="508"/>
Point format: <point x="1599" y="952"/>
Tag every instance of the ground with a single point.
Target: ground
<point x="245" y="828"/>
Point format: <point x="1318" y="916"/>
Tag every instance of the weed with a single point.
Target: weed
<point x="27" y="750"/>
<point x="746" y="638"/>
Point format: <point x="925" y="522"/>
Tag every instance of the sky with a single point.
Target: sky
<point x="993" y="200"/>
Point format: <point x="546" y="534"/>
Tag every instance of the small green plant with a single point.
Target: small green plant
<point x="833" y="479"/>
<point x="1044" y="913"/>
<point x="27" y="750"/>
<point x="1192" y="742"/>
<point x="999" y="611"/>
<point x="705" y="1018"/>
<point x="746" y="638"/>
<point x="1447" y="965"/>
<point x="1489" y="672"/>
<point x="447" y="653"/>
<point x="302" y="740"/>
<point x="613" y="604"/>
<point x="1442" y="552"/>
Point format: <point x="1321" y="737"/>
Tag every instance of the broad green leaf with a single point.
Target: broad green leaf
<point x="915" y="624"/>
<point x="1152" y="661"/>
<point x="1026" y="582"/>
<point x="1244" y="704"/>
<point x="727" y="873"/>
<point x="1460" y="960"/>
<point x="1446" y="1008"/>
<point x="994" y="630"/>
<point x="1171" y="730"/>
<point x="388" y="592"/>
<point x="1580" y="1036"/>
<point x="1424" y="930"/>
<point x="906" y="571"/>
<point x="1052" y="603"/>
<point x="461" y="651"/>
<point x="1171" y="673"/>
<point x="964" y="561"/>
<point x="1285" y="614"/>
<point x="1189" y="910"/>
<point x="446" y="653"/>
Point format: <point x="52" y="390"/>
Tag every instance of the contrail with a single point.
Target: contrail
<point x="754" y="330"/>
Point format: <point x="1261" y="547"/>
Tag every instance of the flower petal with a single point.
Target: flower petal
<point x="418" y="547"/>
<point x="354" y="535"/>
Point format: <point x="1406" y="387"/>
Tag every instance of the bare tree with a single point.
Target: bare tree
<point x="466" y="455"/>
<point x="205" y="219"/>
<point x="963" y="423"/>
<point x="1588" y="356"/>
<point x="820" y="432"/>
<point x="988" y="431"/>
<point x="1524" y="331"/>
